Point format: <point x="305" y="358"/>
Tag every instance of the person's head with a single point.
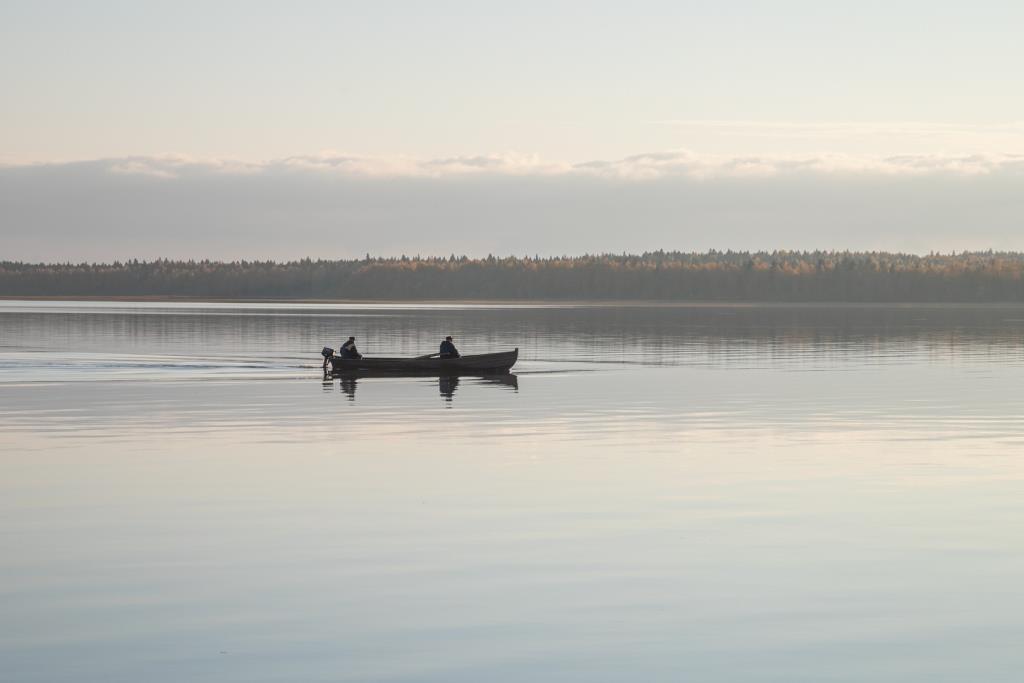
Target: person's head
<point x="351" y="338"/>
<point x="448" y="338"/>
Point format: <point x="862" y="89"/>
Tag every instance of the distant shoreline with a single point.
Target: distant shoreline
<point x="651" y="278"/>
<point x="545" y="303"/>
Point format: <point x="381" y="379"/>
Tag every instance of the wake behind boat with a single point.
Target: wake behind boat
<point x="480" y="364"/>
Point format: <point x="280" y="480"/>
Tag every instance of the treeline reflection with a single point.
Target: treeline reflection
<point x="656" y="334"/>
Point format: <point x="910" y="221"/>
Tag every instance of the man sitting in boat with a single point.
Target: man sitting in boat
<point x="448" y="349"/>
<point x="348" y="350"/>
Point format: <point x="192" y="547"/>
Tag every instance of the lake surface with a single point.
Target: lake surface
<point x="659" y="494"/>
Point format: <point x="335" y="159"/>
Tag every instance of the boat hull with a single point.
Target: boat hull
<point x="482" y="364"/>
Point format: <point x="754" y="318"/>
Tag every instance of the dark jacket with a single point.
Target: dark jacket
<point x="348" y="350"/>
<point x="448" y="350"/>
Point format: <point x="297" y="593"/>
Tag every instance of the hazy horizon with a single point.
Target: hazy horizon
<point x="172" y="208"/>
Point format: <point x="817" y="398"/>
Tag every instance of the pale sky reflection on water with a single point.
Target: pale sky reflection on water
<point x="796" y="509"/>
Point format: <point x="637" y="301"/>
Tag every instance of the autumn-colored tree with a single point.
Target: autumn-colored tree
<point x="660" y="275"/>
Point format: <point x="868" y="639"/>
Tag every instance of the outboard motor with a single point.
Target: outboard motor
<point x="327" y="353"/>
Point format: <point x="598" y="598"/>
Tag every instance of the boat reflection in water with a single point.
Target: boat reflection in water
<point x="446" y="384"/>
<point x="348" y="385"/>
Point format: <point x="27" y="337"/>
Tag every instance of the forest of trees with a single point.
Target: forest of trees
<point x="665" y="276"/>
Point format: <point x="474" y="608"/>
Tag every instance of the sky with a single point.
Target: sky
<point x="283" y="130"/>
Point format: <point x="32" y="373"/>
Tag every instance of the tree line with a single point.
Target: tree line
<point x="797" y="276"/>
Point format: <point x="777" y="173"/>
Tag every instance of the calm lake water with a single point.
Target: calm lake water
<point x="660" y="494"/>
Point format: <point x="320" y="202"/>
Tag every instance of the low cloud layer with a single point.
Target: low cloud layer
<point x="652" y="166"/>
<point x="336" y="205"/>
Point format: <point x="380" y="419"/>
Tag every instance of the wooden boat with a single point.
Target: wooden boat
<point x="481" y="364"/>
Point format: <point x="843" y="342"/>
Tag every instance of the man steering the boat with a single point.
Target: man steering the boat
<point x="349" y="351"/>
<point x="448" y="349"/>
